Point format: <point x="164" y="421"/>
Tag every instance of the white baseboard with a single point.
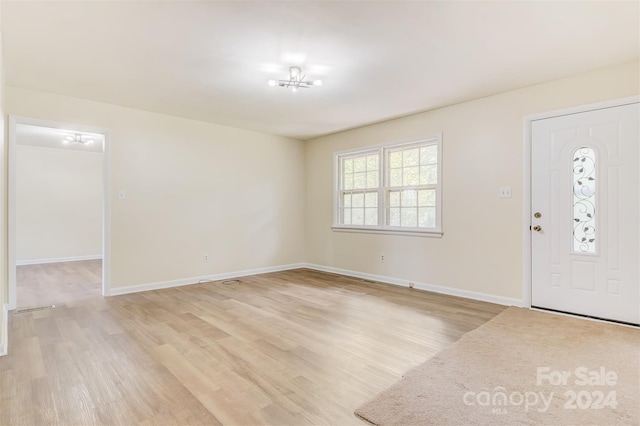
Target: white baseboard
<point x="4" y="333"/>
<point x="484" y="297"/>
<point x="57" y="260"/>
<point x="194" y="280"/>
<point x="500" y="300"/>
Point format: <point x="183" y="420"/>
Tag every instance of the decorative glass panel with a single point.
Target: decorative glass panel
<point x="584" y="200"/>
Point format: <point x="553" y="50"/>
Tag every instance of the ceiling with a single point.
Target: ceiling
<point x="47" y="137"/>
<point x="211" y="61"/>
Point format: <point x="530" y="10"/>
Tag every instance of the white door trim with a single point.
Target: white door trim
<point x="11" y="208"/>
<point x="526" y="181"/>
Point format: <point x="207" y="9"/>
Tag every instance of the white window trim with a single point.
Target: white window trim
<point x="436" y="232"/>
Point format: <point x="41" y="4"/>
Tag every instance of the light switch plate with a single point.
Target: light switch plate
<point x="122" y="195"/>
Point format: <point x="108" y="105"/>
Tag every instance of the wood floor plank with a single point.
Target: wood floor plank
<point x="298" y="347"/>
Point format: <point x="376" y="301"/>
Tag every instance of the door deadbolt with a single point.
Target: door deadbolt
<point x="537" y="228"/>
<point x="537" y="215"/>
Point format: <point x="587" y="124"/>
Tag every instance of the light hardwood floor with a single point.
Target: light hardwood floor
<point x="290" y="348"/>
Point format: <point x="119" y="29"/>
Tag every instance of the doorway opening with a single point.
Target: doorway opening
<point x="58" y="237"/>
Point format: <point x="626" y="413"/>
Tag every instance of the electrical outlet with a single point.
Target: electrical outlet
<point x="410" y="285"/>
<point x="381" y="258"/>
<point x="205" y="257"/>
<point x="505" y="192"/>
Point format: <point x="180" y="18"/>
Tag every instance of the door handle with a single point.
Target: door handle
<point x="537" y="228"/>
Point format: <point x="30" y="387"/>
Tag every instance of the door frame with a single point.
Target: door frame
<point x="526" y="181"/>
<point x="14" y="120"/>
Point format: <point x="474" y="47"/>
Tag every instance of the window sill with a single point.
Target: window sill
<point x="407" y="233"/>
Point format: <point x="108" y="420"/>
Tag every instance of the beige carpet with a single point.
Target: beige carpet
<point x="522" y="368"/>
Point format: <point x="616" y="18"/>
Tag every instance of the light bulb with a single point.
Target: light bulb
<point x="65" y="141"/>
<point x="317" y="83"/>
<point x="272" y="83"/>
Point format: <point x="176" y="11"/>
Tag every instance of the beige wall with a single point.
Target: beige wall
<point x="192" y="188"/>
<point x="4" y="282"/>
<point x="481" y="250"/>
<point x="59" y="197"/>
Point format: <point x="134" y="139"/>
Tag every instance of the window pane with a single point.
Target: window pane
<point x="372" y="179"/>
<point x="346" y="200"/>
<point x="395" y="159"/>
<point x="371" y="216"/>
<point x="430" y="174"/>
<point x="429" y="155"/>
<point x="394" y="216"/>
<point x="346" y="217"/>
<point x="409" y="217"/>
<point x="411" y="157"/>
<point x="371" y="199"/>
<point x="427" y="197"/>
<point x="357" y="216"/>
<point x="372" y="163"/>
<point x="411" y="176"/>
<point x="358" y="200"/>
<point x="360" y="164"/>
<point x="359" y="180"/>
<point x="347" y="165"/>
<point x="409" y="198"/>
<point x="427" y="217"/>
<point x="394" y="199"/>
<point x="395" y="177"/>
<point x="584" y="200"/>
<point x="347" y="182"/>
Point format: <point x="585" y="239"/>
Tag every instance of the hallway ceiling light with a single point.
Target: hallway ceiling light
<point x="296" y="80"/>
<point x="77" y="138"/>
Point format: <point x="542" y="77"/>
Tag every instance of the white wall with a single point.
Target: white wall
<point x="192" y="188"/>
<point x="481" y="250"/>
<point x="59" y="196"/>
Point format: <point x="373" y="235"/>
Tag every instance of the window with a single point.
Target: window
<point x="392" y="188"/>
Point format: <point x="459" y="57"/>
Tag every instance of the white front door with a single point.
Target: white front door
<point x="585" y="213"/>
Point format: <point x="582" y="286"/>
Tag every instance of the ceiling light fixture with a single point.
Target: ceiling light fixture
<point x="296" y="80"/>
<point x="77" y="138"/>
